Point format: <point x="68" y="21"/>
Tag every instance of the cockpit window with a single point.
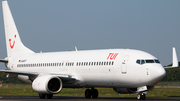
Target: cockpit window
<point x="141" y="62"/>
<point x="157" y="61"/>
<point x="138" y="61"/>
<point x="149" y="61"/>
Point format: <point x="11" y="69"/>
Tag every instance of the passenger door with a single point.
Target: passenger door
<point x="124" y="64"/>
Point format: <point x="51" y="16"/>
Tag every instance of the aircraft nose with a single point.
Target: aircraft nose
<point x="157" y="73"/>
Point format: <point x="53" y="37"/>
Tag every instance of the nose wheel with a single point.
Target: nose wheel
<point x="91" y="93"/>
<point x="141" y="96"/>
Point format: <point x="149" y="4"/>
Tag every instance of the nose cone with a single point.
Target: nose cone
<point x="157" y="73"/>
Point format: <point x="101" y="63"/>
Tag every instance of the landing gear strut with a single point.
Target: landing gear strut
<point x="141" y="96"/>
<point x="93" y="92"/>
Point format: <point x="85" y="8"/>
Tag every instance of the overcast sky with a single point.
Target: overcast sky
<point x="152" y="26"/>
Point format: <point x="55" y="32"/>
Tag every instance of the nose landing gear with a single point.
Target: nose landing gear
<point x="141" y="96"/>
<point x="93" y="92"/>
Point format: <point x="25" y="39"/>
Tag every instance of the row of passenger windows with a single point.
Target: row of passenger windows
<point x="40" y="65"/>
<point x="147" y="61"/>
<point x="95" y="63"/>
<point x="67" y="64"/>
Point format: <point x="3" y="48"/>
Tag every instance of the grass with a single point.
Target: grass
<point x="103" y="92"/>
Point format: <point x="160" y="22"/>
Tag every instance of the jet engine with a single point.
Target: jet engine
<point x="47" y="84"/>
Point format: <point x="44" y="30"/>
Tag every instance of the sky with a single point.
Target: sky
<point x="152" y="26"/>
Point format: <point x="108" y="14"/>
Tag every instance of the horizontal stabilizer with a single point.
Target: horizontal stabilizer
<point x="3" y="60"/>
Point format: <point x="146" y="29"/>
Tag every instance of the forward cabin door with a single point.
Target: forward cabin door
<point x="124" y="64"/>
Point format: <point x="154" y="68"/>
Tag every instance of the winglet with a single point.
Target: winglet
<point x="175" y="59"/>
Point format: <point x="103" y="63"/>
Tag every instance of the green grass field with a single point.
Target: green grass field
<point x="108" y="92"/>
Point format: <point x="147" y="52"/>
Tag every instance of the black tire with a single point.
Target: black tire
<point x="41" y="96"/>
<point x="141" y="96"/>
<point x="95" y="93"/>
<point x="88" y="93"/>
<point x="49" y="96"/>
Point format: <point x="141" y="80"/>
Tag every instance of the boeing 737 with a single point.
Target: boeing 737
<point x="127" y="71"/>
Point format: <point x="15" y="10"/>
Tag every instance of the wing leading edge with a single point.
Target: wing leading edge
<point x="63" y="77"/>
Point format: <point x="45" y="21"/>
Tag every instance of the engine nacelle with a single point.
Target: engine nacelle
<point x="47" y="84"/>
<point x="130" y="90"/>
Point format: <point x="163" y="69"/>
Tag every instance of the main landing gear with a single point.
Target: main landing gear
<point x="48" y="96"/>
<point x="141" y="96"/>
<point x="93" y="92"/>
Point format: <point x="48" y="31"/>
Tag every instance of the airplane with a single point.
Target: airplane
<point x="127" y="71"/>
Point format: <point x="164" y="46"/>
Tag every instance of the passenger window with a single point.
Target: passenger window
<point x="94" y="63"/>
<point x="104" y="63"/>
<point x="110" y="63"/>
<point x="82" y="63"/>
<point x="99" y="63"/>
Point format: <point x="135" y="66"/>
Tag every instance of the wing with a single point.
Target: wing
<point x="64" y="77"/>
<point x="20" y="72"/>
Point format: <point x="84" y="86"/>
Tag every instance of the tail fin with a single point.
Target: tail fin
<point x="13" y="42"/>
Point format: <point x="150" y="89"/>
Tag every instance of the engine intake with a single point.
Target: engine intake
<point x="47" y="84"/>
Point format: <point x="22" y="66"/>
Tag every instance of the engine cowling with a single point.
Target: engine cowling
<point x="47" y="84"/>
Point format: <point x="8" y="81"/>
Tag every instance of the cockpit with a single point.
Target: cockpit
<point x="142" y="61"/>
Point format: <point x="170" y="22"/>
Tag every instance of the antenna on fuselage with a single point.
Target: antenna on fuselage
<point x="76" y="49"/>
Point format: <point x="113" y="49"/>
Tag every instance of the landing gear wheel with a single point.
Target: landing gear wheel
<point x="141" y="96"/>
<point x="42" y="96"/>
<point x="49" y="96"/>
<point x="95" y="93"/>
<point x="88" y="93"/>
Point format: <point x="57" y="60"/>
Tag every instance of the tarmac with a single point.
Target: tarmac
<point x="73" y="98"/>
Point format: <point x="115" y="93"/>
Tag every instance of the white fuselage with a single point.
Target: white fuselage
<point x="94" y="68"/>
